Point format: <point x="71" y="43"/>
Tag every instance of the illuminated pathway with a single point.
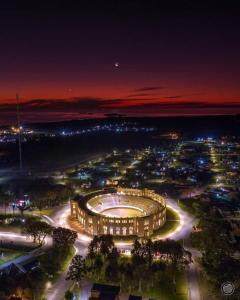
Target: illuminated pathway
<point x="182" y="232"/>
<point x="59" y="218"/>
<point x="58" y="289"/>
<point x="186" y="222"/>
<point x="20" y="238"/>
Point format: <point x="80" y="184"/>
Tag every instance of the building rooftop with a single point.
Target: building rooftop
<point x="132" y="297"/>
<point x="107" y="290"/>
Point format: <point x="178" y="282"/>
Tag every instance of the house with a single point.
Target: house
<point x="15" y="269"/>
<point x="132" y="297"/>
<point x="104" y="292"/>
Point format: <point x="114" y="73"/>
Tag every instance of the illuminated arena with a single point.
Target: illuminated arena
<point x="120" y="212"/>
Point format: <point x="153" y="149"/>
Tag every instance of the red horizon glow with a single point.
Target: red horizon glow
<point x="64" y="65"/>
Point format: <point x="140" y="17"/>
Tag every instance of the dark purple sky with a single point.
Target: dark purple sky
<point x="178" y="58"/>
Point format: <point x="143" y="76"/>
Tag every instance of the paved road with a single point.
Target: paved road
<point x="186" y="221"/>
<point x="57" y="291"/>
<point x="85" y="290"/>
<point x="18" y="238"/>
<point x="193" y="274"/>
<point x="59" y="218"/>
<point x="183" y="232"/>
<point x="193" y="286"/>
<point x="17" y="260"/>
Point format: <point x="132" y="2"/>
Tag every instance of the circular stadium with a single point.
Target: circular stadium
<point x="120" y="212"/>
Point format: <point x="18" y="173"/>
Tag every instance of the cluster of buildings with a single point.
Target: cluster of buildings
<point x="123" y="127"/>
<point x="204" y="170"/>
<point x="10" y="134"/>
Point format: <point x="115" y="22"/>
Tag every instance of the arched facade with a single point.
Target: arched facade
<point x="87" y="211"/>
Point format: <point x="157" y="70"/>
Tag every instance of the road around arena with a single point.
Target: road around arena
<point x="59" y="218"/>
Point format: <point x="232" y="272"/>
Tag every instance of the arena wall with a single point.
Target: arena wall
<point x="97" y="224"/>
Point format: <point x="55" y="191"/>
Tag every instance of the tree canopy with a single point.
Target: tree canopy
<point x="77" y="269"/>
<point x="38" y="230"/>
<point x="63" y="237"/>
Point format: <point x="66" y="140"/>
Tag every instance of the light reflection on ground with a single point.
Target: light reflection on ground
<point x="181" y="232"/>
<point x="122" y="212"/>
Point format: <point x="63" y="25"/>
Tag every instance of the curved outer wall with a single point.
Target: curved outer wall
<point x="97" y="224"/>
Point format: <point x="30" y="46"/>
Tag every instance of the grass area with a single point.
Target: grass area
<point x="68" y="259"/>
<point x="45" y="211"/>
<point x="23" y="247"/>
<point x="182" y="285"/>
<point x="14" y="222"/>
<point x="64" y="267"/>
<point x="172" y="222"/>
<point x="172" y="215"/>
<point x="11" y="228"/>
<point x="164" y="291"/>
<point x="76" y="291"/>
<point x="8" y="254"/>
<point x="54" y="263"/>
<point x="186" y="205"/>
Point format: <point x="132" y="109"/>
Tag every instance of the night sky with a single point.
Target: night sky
<point x="177" y="58"/>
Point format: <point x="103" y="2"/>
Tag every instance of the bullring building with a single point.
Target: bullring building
<point x="120" y="212"/>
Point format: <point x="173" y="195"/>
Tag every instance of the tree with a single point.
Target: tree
<point x="138" y="262"/>
<point x="221" y="268"/>
<point x="68" y="295"/>
<point x="38" y="230"/>
<point x="4" y="200"/>
<point x="112" y="268"/>
<point x="97" y="266"/>
<point x="173" y="250"/>
<point x="77" y="269"/>
<point x="63" y="237"/>
<point x="106" y="244"/>
<point x="53" y="261"/>
<point x="127" y="273"/>
<point x="93" y="247"/>
<point x="100" y="245"/>
<point x="39" y="199"/>
<point x="148" y="251"/>
<point x="44" y="193"/>
<point x="111" y="272"/>
<point x="137" y="253"/>
<point x="113" y="256"/>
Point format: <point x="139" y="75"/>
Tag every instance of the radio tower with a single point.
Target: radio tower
<point x="19" y="135"/>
